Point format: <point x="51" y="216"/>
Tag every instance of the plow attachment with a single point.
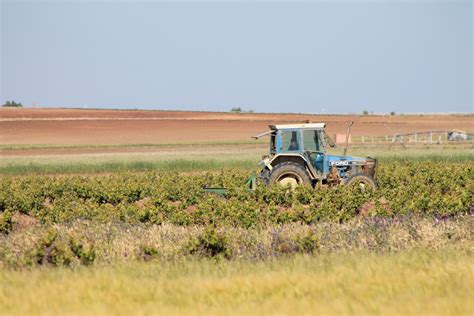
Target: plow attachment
<point x="250" y="185"/>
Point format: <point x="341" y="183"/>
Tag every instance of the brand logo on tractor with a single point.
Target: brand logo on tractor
<point x="340" y="163"/>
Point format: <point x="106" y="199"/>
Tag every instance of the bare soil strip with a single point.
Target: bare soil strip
<point x="76" y="127"/>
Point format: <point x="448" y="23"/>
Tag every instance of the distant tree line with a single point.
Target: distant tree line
<point x="239" y="110"/>
<point x="12" y="104"/>
<point x="365" y="112"/>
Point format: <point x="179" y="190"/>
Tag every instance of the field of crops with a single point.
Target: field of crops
<point x="439" y="191"/>
<point x="425" y="188"/>
<point x="148" y="224"/>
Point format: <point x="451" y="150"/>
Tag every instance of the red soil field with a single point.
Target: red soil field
<point x="117" y="127"/>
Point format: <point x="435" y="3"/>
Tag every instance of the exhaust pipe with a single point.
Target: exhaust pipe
<point x="347" y="137"/>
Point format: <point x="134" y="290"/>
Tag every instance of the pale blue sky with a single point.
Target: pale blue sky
<point x="311" y="56"/>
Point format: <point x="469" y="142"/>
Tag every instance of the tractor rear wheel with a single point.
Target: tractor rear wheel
<point x="362" y="181"/>
<point x="289" y="173"/>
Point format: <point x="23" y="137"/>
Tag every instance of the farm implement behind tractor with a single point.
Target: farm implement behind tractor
<point x="298" y="156"/>
<point x="250" y="185"/>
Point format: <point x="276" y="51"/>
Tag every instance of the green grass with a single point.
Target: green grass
<point x="403" y="283"/>
<point x="8" y="147"/>
<point x="461" y="154"/>
<point x="180" y="158"/>
<point x="179" y="165"/>
<point x="197" y="158"/>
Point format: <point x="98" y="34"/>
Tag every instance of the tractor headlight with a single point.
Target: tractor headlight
<point x="265" y="161"/>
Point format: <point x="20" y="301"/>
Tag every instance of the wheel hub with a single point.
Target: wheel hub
<point x="288" y="180"/>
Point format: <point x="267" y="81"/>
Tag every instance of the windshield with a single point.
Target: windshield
<point x="311" y="140"/>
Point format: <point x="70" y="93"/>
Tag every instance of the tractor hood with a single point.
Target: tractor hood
<point x="342" y="161"/>
<point x="350" y="159"/>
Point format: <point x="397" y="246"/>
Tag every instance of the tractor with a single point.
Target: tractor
<point x="298" y="156"/>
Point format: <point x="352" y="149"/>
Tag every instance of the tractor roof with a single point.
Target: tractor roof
<point x="273" y="128"/>
<point x="297" y="126"/>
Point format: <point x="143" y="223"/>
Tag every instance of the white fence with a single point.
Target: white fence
<point x="432" y="137"/>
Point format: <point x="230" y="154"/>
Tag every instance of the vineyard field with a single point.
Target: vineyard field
<point x="440" y="189"/>
<point x="142" y="220"/>
<point x="57" y="214"/>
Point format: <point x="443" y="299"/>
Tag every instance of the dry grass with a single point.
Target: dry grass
<point x="403" y="283"/>
<point x="117" y="242"/>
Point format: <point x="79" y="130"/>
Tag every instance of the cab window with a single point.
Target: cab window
<point x="311" y="140"/>
<point x="272" y="143"/>
<point x="290" y="141"/>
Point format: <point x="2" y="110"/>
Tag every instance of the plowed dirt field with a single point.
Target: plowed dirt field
<point x="79" y="127"/>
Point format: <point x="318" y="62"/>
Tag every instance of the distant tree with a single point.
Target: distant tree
<point x="365" y="112"/>
<point x="392" y="113"/>
<point x="12" y="104"/>
<point x="236" y="110"/>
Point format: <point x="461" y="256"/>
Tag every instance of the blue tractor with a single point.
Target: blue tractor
<point x="298" y="155"/>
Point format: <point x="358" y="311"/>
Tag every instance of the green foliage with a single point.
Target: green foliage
<point x="210" y="244"/>
<point x="308" y="243"/>
<point x="6" y="222"/>
<point x="12" y="104"/>
<point x="423" y="188"/>
<point x="83" y="250"/>
<point x="149" y="252"/>
<point x="59" y="249"/>
<point x="51" y="250"/>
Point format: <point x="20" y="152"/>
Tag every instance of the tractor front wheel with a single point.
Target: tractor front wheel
<point x="361" y="181"/>
<point x="289" y="173"/>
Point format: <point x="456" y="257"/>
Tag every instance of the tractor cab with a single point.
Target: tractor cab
<point x="298" y="156"/>
<point x="307" y="140"/>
